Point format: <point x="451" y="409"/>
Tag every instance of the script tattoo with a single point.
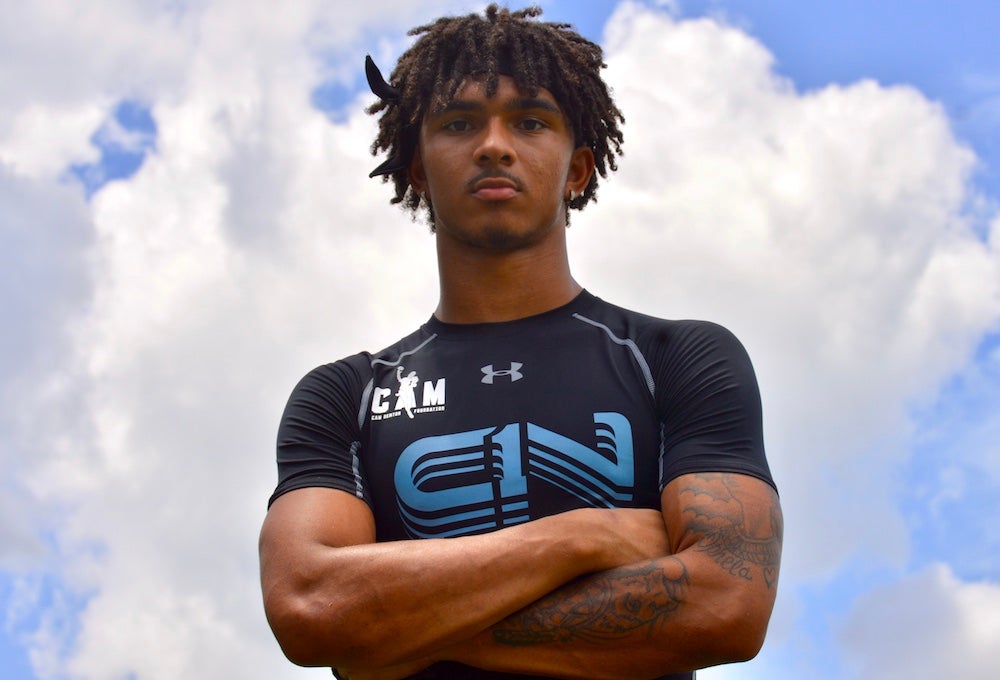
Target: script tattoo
<point x="714" y="509"/>
<point x="606" y="606"/>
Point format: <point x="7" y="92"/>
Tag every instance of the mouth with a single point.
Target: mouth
<point x="494" y="187"/>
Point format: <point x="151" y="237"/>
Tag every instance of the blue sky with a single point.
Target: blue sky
<point x="945" y="49"/>
<point x="165" y="198"/>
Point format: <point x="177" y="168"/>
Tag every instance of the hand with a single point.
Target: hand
<point x="629" y="535"/>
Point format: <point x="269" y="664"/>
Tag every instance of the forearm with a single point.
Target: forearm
<point x="707" y="603"/>
<point x="375" y="605"/>
<point x="640" y="621"/>
<point x="580" y="630"/>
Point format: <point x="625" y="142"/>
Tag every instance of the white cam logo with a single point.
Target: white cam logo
<point x="406" y="398"/>
<point x="514" y="372"/>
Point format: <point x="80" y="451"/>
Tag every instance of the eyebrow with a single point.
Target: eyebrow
<point x="516" y="104"/>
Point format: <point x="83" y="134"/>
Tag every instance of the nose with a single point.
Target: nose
<point x="495" y="144"/>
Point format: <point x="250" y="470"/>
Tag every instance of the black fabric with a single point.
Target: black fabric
<point x="463" y="429"/>
<point x="457" y="671"/>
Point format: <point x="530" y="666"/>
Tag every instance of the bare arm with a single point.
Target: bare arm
<point x="333" y="597"/>
<point x="707" y="603"/>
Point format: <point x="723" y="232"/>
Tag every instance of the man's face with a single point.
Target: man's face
<point x="497" y="169"/>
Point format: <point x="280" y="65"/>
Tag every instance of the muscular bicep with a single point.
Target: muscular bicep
<point x="726" y="528"/>
<point x="299" y="530"/>
<point x="733" y="520"/>
<point x="319" y="515"/>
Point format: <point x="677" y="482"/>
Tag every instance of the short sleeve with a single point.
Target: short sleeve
<point x="319" y="437"/>
<point x="708" y="402"/>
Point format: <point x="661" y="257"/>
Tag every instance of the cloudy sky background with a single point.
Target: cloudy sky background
<point x="187" y="227"/>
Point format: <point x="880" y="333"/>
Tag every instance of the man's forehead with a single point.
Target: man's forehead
<point x="472" y="93"/>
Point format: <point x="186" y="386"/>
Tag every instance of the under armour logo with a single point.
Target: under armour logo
<point x="514" y="372"/>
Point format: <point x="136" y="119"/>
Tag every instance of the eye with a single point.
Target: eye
<point x="457" y="125"/>
<point x="531" y="125"/>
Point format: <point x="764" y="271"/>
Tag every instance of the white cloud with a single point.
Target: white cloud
<point x="64" y="67"/>
<point x="41" y="141"/>
<point x="825" y="228"/>
<point x="929" y="625"/>
<point x="44" y="241"/>
<point x="223" y="270"/>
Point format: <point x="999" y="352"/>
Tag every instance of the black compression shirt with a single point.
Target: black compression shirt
<point x="463" y="429"/>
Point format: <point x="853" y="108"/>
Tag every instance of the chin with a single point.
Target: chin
<point x="505" y="240"/>
<point x="501" y="237"/>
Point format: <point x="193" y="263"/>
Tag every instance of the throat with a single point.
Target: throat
<point x="503" y="273"/>
<point x="503" y="288"/>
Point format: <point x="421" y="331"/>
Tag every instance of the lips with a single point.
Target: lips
<point x="495" y="188"/>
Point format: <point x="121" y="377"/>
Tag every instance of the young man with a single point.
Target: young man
<point x="535" y="482"/>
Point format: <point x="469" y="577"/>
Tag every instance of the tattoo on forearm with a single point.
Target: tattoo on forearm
<point x="743" y="551"/>
<point x="605" y="606"/>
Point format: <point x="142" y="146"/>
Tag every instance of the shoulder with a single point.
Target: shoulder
<point x="661" y="339"/>
<point x="697" y="357"/>
<point x="356" y="370"/>
<point x="693" y="340"/>
<point x="686" y="362"/>
<point x="397" y="352"/>
<point x="323" y="382"/>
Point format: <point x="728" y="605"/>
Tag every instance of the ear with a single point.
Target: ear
<point x="581" y="169"/>
<point x="416" y="174"/>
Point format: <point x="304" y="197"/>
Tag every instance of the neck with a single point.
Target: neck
<point x="479" y="285"/>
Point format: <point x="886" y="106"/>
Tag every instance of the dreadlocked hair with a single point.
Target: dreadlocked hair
<point x="535" y="53"/>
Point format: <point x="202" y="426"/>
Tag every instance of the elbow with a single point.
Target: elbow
<point x="312" y="634"/>
<point x="745" y="644"/>
<point x="728" y="629"/>
<point x="295" y="631"/>
<point x="741" y="633"/>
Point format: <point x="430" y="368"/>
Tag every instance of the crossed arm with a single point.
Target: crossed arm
<point x="635" y="593"/>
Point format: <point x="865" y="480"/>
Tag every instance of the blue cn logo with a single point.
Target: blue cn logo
<point x="475" y="481"/>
